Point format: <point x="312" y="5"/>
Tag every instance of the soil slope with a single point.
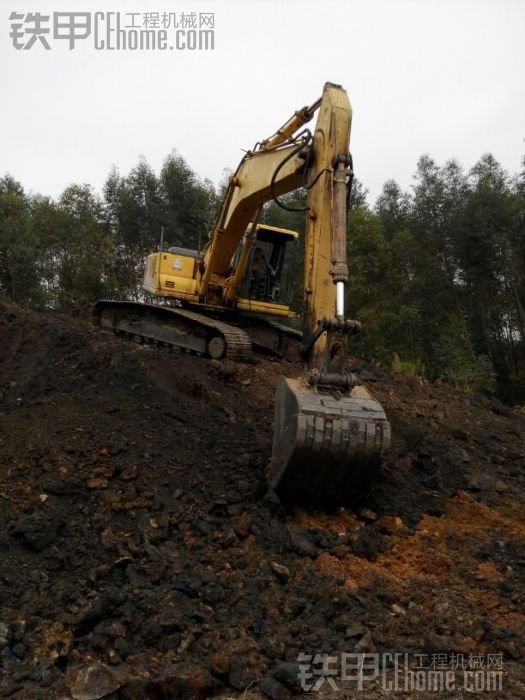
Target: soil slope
<point x="141" y="556"/>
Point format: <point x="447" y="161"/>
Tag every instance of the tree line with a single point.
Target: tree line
<point x="437" y="273"/>
<point x="82" y="246"/>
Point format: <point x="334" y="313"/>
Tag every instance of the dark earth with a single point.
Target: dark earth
<point x="142" y="556"/>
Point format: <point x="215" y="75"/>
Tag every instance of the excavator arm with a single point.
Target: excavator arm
<point x="329" y="432"/>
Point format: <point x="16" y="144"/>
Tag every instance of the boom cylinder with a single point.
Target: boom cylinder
<point x="300" y="118"/>
<point x="339" y="265"/>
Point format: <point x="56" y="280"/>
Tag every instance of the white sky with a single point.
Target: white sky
<point x="440" y="77"/>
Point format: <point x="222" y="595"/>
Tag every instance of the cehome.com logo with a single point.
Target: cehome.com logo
<point x="114" y="31"/>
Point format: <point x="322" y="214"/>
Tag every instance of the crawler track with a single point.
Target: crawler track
<point x="174" y="327"/>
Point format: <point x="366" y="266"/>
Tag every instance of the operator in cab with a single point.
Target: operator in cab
<point x="262" y="271"/>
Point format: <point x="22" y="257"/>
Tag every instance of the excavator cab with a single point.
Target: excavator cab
<point x="267" y="284"/>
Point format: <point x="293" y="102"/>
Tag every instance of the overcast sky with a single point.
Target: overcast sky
<point x="442" y="77"/>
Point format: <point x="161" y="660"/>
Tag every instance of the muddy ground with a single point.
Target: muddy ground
<point x="142" y="557"/>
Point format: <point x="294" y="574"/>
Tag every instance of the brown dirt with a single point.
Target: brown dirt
<point x="136" y="530"/>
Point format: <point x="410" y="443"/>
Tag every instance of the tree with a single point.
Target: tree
<point x="189" y="202"/>
<point x="134" y="214"/>
<point x="82" y="252"/>
<point x="393" y="209"/>
<point x="20" y="248"/>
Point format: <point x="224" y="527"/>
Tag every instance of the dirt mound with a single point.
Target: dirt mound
<point x="141" y="556"/>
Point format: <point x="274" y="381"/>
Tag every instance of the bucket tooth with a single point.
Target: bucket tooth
<point x="326" y="444"/>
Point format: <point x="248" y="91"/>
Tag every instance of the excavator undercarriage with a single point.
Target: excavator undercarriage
<point x="216" y="335"/>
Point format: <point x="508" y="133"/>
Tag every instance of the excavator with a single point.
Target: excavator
<point x="223" y="302"/>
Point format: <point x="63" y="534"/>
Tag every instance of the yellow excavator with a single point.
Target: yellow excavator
<point x="329" y="432"/>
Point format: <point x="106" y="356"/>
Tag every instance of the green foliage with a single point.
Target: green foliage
<point x="457" y="362"/>
<point x="413" y="369"/>
<point x="189" y="203"/>
<point x="20" y="263"/>
<point x="456" y="248"/>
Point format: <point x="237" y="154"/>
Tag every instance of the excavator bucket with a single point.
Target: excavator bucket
<point x="327" y="444"/>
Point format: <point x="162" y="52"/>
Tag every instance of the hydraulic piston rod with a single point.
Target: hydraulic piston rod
<point x="340" y="300"/>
